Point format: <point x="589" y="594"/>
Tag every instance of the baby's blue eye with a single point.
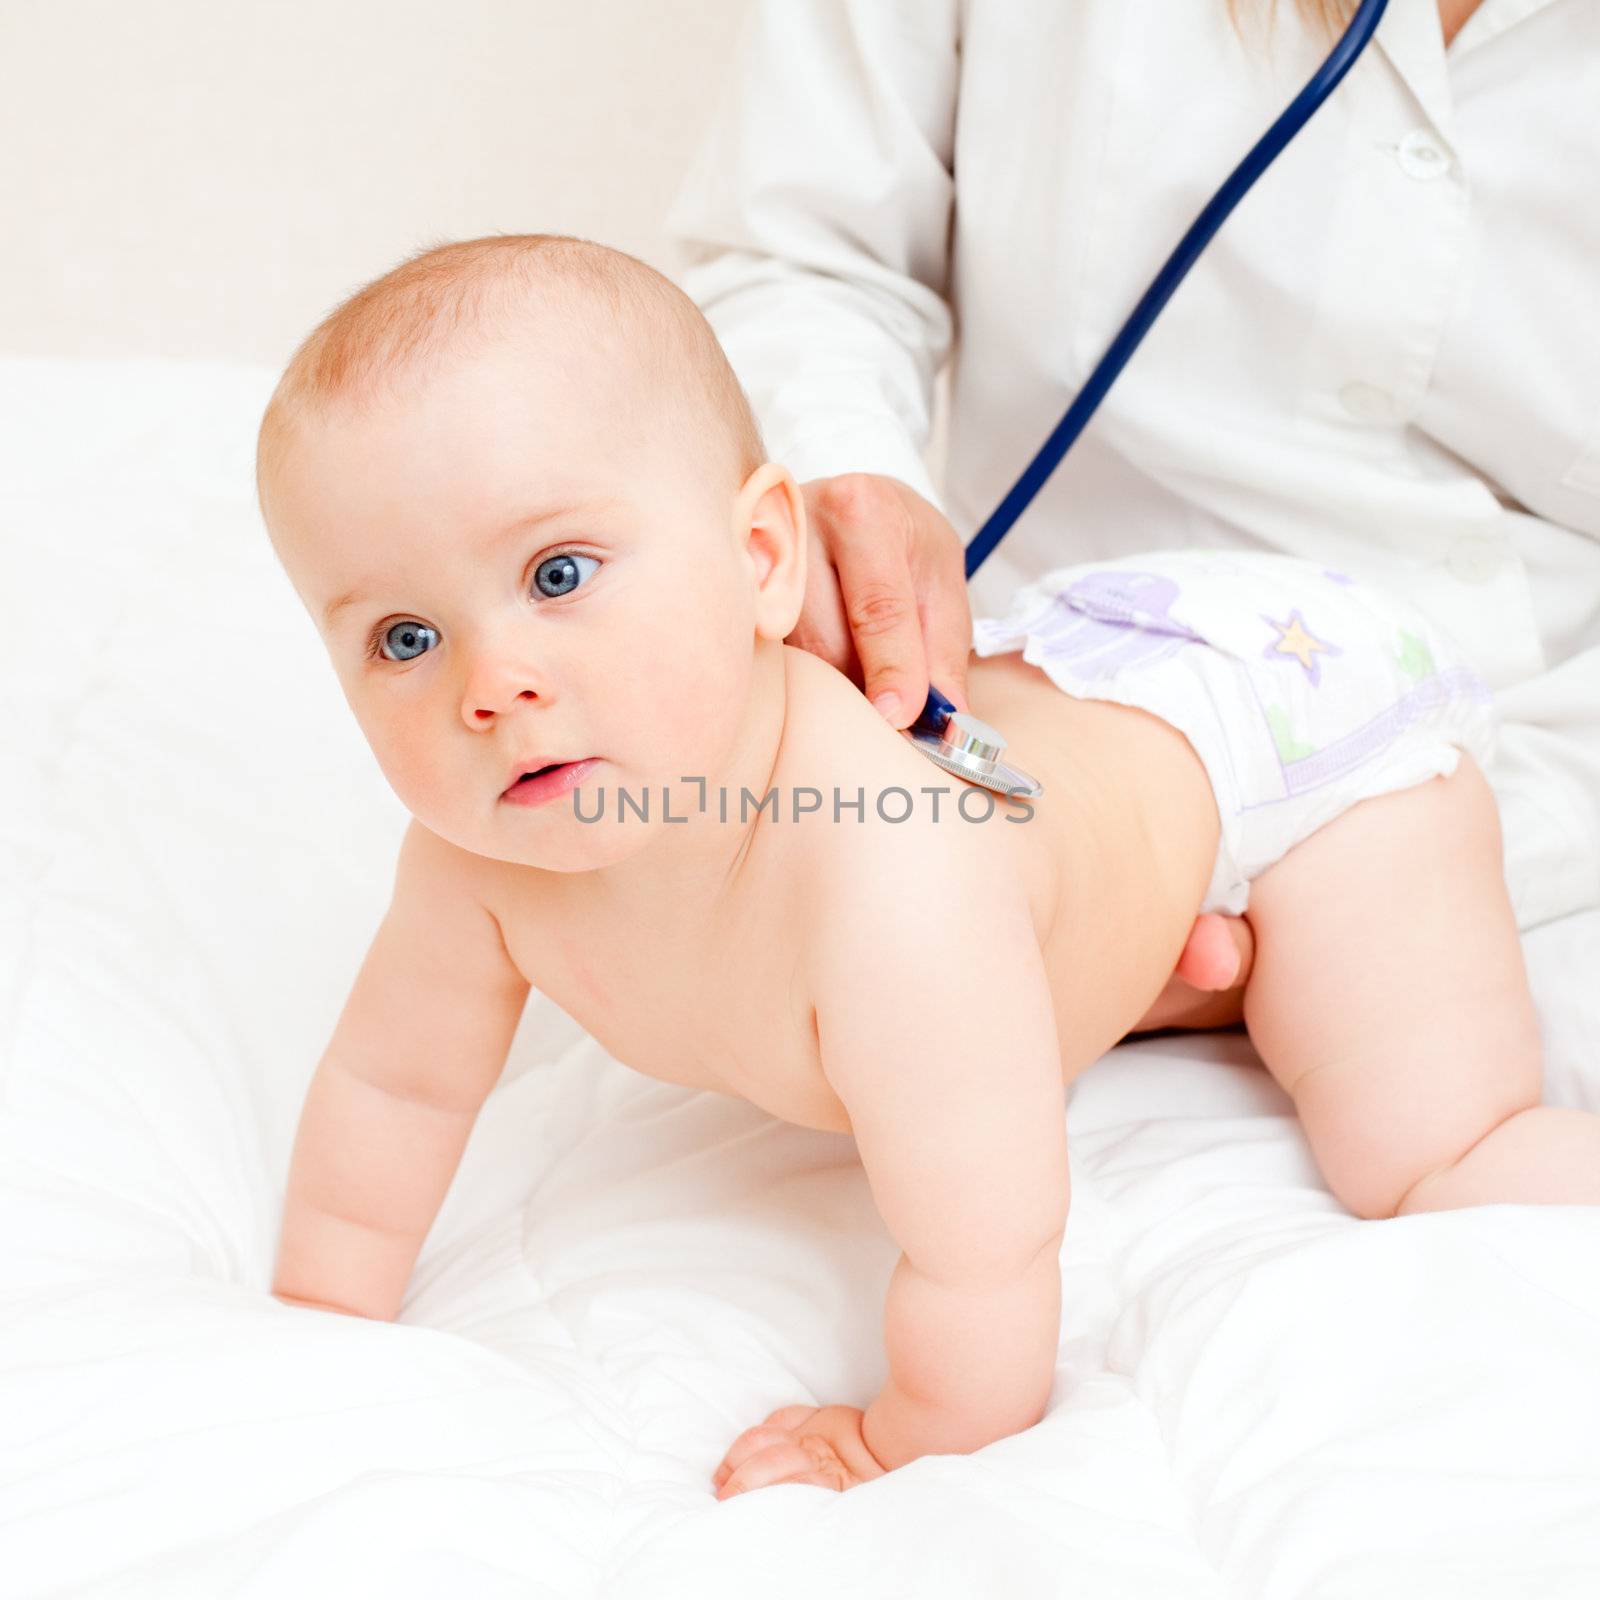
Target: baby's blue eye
<point x="564" y="575"/>
<point x="406" y="634"/>
<point x="555" y="576"/>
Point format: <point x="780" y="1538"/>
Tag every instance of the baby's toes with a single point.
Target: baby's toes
<point x="1213" y="958"/>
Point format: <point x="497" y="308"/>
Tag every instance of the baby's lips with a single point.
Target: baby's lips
<point x="530" y="764"/>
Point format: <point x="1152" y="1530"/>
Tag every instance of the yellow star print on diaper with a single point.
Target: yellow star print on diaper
<point x="1295" y="639"/>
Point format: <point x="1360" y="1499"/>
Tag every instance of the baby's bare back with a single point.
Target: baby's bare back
<point x="1111" y="863"/>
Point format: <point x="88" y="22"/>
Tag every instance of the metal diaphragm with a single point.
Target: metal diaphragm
<point x="971" y="749"/>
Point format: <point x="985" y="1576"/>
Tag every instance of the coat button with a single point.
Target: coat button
<point x="1476" y="558"/>
<point x="1421" y="156"/>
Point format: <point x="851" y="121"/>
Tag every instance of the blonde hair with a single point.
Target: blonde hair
<point x="420" y="311"/>
<point x="1326" y="16"/>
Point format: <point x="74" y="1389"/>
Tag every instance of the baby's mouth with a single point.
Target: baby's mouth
<point x="538" y="784"/>
<point x="538" y="772"/>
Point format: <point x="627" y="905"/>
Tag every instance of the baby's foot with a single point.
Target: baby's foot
<point x="1219" y="952"/>
<point x="1206" y="990"/>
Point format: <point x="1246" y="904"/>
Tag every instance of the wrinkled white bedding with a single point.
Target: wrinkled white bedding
<point x="1257" y="1394"/>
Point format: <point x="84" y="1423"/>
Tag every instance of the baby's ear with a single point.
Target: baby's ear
<point x="770" y="527"/>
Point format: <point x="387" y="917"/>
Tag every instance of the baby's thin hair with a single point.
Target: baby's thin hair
<point x="403" y="324"/>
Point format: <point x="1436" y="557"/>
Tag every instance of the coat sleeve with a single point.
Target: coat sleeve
<point x="813" y="228"/>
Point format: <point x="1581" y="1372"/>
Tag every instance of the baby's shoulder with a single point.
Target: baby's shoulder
<point x="444" y="900"/>
<point x="879" y="848"/>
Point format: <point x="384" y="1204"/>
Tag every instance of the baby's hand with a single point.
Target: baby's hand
<point x="799" y="1444"/>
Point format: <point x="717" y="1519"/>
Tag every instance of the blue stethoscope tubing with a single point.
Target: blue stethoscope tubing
<point x="1267" y="149"/>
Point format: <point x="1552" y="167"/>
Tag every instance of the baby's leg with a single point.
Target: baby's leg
<point x="1390" y="1000"/>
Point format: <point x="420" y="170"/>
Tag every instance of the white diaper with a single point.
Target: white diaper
<point x="1302" y="690"/>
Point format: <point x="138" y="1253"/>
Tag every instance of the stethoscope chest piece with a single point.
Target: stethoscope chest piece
<point x="967" y="746"/>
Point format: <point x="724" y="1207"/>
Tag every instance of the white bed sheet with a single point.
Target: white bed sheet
<point x="1257" y="1394"/>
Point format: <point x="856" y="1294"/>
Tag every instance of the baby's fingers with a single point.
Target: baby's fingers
<point x="786" y="1462"/>
<point x="749" y="1443"/>
<point x="791" y="1417"/>
<point x="777" y="1426"/>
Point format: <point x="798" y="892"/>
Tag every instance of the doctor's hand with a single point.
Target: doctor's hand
<point x="886" y="592"/>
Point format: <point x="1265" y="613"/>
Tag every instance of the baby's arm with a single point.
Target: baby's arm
<point x="419" y="1045"/>
<point x="938" y="1033"/>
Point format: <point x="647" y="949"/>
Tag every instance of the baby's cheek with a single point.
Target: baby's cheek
<point x="711" y="716"/>
<point x="692" y="665"/>
<point x="410" y="768"/>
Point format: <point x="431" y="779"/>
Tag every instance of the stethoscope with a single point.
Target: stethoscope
<point x="956" y="740"/>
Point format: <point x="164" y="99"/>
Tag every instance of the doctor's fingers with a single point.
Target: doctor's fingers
<point x="945" y="605"/>
<point x="937" y="561"/>
<point x="871" y="534"/>
<point x="880" y="604"/>
<point x="821" y="628"/>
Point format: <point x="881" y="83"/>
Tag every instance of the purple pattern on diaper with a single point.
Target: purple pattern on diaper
<point x="1112" y="620"/>
<point x="1340" y="757"/>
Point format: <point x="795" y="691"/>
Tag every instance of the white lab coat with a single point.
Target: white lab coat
<point x="1388" y="359"/>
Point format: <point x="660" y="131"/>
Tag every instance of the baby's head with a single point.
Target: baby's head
<point x="520" y="491"/>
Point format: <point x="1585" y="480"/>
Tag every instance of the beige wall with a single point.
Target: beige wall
<point x="205" y="178"/>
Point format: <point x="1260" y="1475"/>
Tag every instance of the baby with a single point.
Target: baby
<point x="521" y="494"/>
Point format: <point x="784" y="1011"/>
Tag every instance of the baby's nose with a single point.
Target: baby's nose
<point x="482" y="711"/>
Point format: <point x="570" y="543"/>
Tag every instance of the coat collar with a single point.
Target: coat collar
<point x="1410" y="37"/>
